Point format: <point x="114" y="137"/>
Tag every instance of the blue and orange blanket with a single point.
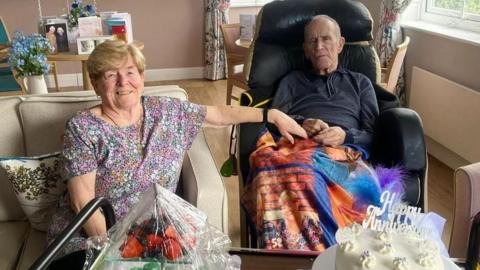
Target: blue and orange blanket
<point x="299" y="194"/>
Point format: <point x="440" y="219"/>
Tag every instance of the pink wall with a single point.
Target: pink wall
<point x="233" y="14"/>
<point x="172" y="30"/>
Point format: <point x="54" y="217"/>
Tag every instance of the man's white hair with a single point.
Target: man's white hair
<point x="324" y="17"/>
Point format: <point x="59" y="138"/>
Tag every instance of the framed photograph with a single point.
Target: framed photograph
<point x="86" y="45"/>
<point x="56" y="33"/>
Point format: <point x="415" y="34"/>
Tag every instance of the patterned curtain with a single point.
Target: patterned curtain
<point x="389" y="35"/>
<point x="216" y="13"/>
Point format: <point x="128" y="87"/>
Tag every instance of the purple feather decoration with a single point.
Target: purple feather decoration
<point x="391" y="179"/>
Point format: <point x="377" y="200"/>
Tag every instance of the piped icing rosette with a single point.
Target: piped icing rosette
<point x="357" y="229"/>
<point x="387" y="248"/>
<point x="430" y="246"/>
<point x="384" y="236"/>
<point x="426" y="259"/>
<point x="368" y="260"/>
<point x="344" y="235"/>
<point x="347" y="245"/>
<point x="401" y="263"/>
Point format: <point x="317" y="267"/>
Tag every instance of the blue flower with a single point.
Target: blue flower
<point x="28" y="54"/>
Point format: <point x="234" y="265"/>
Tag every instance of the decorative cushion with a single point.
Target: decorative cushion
<point x="38" y="185"/>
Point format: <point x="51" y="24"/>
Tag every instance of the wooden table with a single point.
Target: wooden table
<point x="257" y="259"/>
<point x="70" y="56"/>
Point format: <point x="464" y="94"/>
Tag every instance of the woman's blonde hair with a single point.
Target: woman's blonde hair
<point x="111" y="55"/>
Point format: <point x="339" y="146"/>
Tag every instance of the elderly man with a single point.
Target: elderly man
<point x="335" y="105"/>
<point x="299" y="194"/>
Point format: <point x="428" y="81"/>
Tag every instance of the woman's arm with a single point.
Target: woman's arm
<point x="82" y="191"/>
<point x="219" y="116"/>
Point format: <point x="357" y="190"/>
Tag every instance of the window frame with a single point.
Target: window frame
<point x="449" y="18"/>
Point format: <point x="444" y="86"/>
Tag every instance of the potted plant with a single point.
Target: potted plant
<point x="28" y="57"/>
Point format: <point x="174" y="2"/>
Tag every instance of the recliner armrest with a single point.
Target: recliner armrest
<point x="202" y="184"/>
<point x="399" y="140"/>
<point x="467" y="205"/>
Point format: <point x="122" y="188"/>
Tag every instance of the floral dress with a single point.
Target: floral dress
<point x="127" y="160"/>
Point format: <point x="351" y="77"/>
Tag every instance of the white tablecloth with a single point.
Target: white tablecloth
<point x="326" y="261"/>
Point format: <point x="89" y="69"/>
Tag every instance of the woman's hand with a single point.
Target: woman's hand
<point x="286" y="125"/>
<point x="219" y="116"/>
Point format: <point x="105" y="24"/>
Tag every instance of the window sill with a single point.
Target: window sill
<point x="245" y="5"/>
<point x="472" y="38"/>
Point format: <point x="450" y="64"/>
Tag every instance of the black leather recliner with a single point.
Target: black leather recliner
<point x="277" y="49"/>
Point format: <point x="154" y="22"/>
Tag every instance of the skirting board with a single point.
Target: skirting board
<point x="446" y="156"/>
<point x="75" y="79"/>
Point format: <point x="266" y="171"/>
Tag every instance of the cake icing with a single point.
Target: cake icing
<point x="368" y="249"/>
<point x="387" y="240"/>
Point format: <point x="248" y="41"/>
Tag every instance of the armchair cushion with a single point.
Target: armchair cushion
<point x="37" y="184"/>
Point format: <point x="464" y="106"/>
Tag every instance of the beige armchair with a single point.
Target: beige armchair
<point x="467" y="205"/>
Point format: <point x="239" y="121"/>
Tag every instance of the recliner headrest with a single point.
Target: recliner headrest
<point x="282" y="18"/>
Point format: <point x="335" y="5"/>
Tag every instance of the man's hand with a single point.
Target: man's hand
<point x="314" y="126"/>
<point x="286" y="125"/>
<point x="332" y="136"/>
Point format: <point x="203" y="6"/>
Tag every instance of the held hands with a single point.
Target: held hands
<point x="286" y="125"/>
<point x="320" y="132"/>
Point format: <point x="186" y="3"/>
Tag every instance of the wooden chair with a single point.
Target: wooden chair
<point x="235" y="56"/>
<point x="5" y="43"/>
<point x="391" y="73"/>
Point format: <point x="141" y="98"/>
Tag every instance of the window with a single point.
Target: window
<point x="248" y="3"/>
<point x="464" y="14"/>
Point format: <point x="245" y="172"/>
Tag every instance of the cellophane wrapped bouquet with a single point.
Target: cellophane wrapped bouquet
<point x="162" y="231"/>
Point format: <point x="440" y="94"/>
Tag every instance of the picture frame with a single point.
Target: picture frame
<point x="86" y="45"/>
<point x="57" y="36"/>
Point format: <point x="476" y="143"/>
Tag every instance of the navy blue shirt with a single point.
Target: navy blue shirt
<point x="344" y="98"/>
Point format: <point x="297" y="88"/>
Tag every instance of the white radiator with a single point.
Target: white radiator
<point x="451" y="116"/>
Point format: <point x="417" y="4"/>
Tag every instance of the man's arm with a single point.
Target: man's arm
<point x="368" y="114"/>
<point x="284" y="96"/>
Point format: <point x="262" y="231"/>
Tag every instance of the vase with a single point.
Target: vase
<point x="36" y="85"/>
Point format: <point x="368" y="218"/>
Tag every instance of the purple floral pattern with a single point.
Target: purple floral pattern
<point x="127" y="163"/>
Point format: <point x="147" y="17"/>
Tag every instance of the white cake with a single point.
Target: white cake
<point x="360" y="248"/>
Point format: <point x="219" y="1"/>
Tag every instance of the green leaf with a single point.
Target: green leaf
<point x="227" y="168"/>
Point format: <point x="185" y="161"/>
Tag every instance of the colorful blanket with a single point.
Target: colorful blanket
<point x="296" y="194"/>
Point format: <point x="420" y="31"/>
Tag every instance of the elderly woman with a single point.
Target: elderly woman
<point x="122" y="146"/>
